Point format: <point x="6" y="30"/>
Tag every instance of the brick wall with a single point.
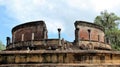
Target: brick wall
<point x="24" y="32"/>
<point x="96" y="34"/>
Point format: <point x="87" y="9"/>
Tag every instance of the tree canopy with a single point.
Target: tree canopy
<point x="108" y="20"/>
<point x="110" y="23"/>
<point x="2" y="46"/>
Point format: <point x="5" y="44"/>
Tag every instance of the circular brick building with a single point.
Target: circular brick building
<point x="29" y="34"/>
<point x="87" y="34"/>
<point x="29" y="31"/>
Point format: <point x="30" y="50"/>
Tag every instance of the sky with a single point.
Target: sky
<point x="56" y="14"/>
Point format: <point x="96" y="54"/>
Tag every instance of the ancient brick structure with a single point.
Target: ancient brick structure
<point x="27" y="34"/>
<point x="31" y="47"/>
<point x="96" y="32"/>
<point x="29" y="31"/>
<point x="89" y="33"/>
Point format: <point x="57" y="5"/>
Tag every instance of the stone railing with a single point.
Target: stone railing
<point x="34" y="43"/>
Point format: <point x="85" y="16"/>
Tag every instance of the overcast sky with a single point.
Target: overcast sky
<point x="56" y="14"/>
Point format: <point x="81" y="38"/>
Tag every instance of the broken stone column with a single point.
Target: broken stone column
<point x="8" y="40"/>
<point x="59" y="36"/>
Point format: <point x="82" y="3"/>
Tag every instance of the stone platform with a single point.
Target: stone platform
<point x="31" y="47"/>
<point x="60" y="58"/>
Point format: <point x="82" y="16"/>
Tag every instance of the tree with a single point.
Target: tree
<point x="114" y="38"/>
<point x="110" y="23"/>
<point x="2" y="46"/>
<point x="108" y="20"/>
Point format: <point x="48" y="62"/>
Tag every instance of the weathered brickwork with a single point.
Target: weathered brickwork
<point x="90" y="36"/>
<point x="62" y="58"/>
<point x="24" y="32"/>
<point x="96" y="34"/>
<point x="31" y="47"/>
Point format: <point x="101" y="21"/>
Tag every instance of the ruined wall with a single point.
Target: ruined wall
<point x="84" y="35"/>
<point x="96" y="32"/>
<point x="23" y="35"/>
<point x="90" y="36"/>
<point x="29" y="31"/>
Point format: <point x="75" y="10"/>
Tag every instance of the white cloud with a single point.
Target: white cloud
<point x="57" y="13"/>
<point x="78" y="4"/>
<point x="30" y="10"/>
<point x="95" y="5"/>
<point x="53" y="25"/>
<point x="100" y="5"/>
<point x="24" y="9"/>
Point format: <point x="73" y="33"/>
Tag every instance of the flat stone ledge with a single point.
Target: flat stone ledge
<point x="59" y="64"/>
<point x="58" y="51"/>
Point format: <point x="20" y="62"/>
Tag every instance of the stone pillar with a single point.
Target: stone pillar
<point x="33" y="36"/>
<point x="63" y="43"/>
<point x="99" y="41"/>
<point x="22" y="39"/>
<point x="8" y="40"/>
<point x="77" y="36"/>
<point x="32" y="44"/>
<point x="13" y="39"/>
<point x="45" y="36"/>
<point x="59" y="36"/>
<point x="59" y="30"/>
<point x="45" y="33"/>
<point x="89" y="34"/>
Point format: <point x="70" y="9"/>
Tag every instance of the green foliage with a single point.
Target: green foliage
<point x="114" y="36"/>
<point x="110" y="22"/>
<point x="2" y="46"/>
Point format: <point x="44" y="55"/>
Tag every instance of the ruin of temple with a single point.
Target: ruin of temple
<point x="31" y="47"/>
